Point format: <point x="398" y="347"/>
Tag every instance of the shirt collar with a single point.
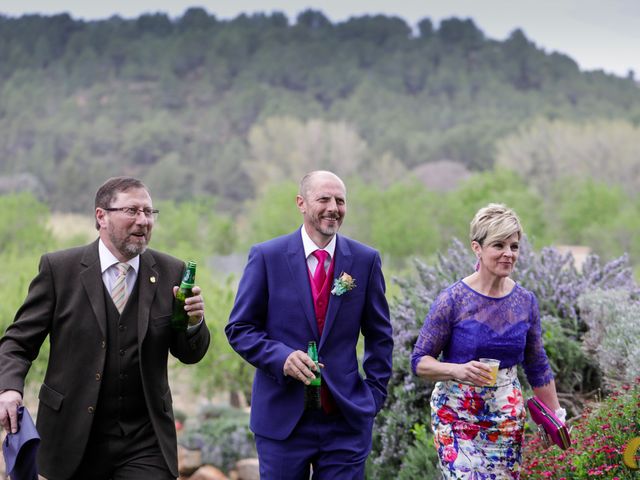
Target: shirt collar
<point x="310" y="246"/>
<point x="108" y="259"/>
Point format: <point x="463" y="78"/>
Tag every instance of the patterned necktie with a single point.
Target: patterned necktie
<point x="119" y="289"/>
<point x="320" y="275"/>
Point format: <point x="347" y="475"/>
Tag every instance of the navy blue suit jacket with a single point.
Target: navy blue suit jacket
<point x="273" y="315"/>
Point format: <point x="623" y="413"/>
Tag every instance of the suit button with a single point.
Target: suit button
<point x="91" y="409"/>
<point x="121" y="327"/>
<point x="98" y="376"/>
<point x="103" y="344"/>
<point x="121" y="353"/>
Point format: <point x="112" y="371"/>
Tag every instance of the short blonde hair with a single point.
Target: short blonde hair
<point x="495" y="222"/>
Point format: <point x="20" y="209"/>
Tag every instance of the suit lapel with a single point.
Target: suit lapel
<point x="343" y="262"/>
<point x="91" y="279"/>
<point x="147" y="284"/>
<point x="298" y="267"/>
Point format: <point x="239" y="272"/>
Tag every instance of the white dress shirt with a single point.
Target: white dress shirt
<point x="310" y="247"/>
<point x="110" y="271"/>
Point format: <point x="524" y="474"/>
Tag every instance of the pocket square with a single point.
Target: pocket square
<point x="20" y="449"/>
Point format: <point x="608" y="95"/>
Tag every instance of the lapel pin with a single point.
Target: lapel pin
<point x="152" y="279"/>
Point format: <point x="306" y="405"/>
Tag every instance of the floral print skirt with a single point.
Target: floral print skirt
<point x="478" y="431"/>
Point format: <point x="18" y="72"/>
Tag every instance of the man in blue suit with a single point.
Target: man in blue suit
<point x="280" y="306"/>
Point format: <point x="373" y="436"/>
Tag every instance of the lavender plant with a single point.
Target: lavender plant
<point x="613" y="338"/>
<point x="550" y="274"/>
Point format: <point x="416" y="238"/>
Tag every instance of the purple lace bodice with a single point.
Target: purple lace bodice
<point x="465" y="325"/>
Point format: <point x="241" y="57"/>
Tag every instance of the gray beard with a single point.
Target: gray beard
<point x="132" y="250"/>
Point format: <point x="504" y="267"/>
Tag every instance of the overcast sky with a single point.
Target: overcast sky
<point x="598" y="34"/>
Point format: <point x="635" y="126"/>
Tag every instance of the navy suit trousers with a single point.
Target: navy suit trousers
<point x="322" y="443"/>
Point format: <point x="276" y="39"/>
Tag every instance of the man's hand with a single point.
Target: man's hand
<point x="193" y="305"/>
<point x="300" y="366"/>
<point x="10" y="400"/>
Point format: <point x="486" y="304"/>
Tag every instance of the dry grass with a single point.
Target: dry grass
<point x="72" y="227"/>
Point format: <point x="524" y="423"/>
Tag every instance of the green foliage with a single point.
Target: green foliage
<point x="222" y="369"/>
<point x="398" y="220"/>
<point x="15" y="276"/>
<point x="420" y="462"/>
<point x="497" y="186"/>
<point x="598" y="440"/>
<point x="193" y="230"/>
<point x="23" y="231"/>
<point x="272" y="214"/>
<point x="590" y="212"/>
<point x="406" y="219"/>
<point x="23" y="221"/>
<point x="222" y="435"/>
<point x="180" y="102"/>
<point x="586" y="207"/>
<point x="574" y="370"/>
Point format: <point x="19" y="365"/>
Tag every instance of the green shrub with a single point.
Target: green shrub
<point x="575" y="370"/>
<point x="598" y="438"/>
<point x="222" y="435"/>
<point x="421" y="459"/>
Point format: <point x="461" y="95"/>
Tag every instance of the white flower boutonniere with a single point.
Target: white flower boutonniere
<point x="343" y="284"/>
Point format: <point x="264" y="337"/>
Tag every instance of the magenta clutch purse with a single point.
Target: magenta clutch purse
<point x="551" y="429"/>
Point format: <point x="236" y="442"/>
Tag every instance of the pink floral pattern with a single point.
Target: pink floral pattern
<point x="478" y="431"/>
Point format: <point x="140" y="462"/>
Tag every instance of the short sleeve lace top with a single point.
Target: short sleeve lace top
<point x="465" y="325"/>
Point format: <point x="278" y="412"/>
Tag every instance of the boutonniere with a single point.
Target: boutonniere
<point x="343" y="284"/>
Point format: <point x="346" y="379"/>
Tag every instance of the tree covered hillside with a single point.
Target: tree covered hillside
<point x="197" y="105"/>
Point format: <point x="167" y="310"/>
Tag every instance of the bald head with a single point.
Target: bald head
<point x="317" y="175"/>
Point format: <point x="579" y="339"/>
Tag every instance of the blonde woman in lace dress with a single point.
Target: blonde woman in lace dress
<point x="478" y="429"/>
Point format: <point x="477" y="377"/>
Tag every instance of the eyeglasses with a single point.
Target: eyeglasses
<point x="132" y="212"/>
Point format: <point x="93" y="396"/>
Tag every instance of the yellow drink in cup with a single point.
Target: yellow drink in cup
<point x="495" y="365"/>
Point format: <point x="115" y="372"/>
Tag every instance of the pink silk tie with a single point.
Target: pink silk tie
<point x="319" y="278"/>
<point x="320" y="275"/>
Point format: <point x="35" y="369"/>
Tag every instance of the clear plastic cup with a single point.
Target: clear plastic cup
<point x="495" y="365"/>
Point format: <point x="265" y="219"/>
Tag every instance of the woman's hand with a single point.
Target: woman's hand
<point x="473" y="372"/>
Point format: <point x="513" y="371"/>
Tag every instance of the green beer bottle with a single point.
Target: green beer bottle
<point x="180" y="319"/>
<point x="312" y="391"/>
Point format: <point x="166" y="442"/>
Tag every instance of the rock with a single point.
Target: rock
<point x="208" y="472"/>
<point x="188" y="460"/>
<point x="248" y="469"/>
